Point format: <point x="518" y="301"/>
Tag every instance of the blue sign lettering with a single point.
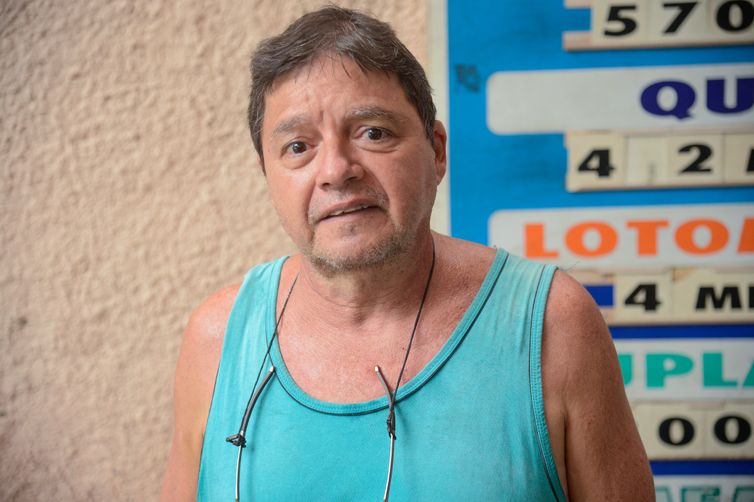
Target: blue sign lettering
<point x="685" y="98"/>
<point x="716" y="95"/>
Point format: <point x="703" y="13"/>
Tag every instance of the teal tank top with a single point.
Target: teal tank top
<point x="470" y="425"/>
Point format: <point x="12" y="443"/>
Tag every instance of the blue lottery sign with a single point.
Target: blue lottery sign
<point x="616" y="140"/>
<point x="516" y="91"/>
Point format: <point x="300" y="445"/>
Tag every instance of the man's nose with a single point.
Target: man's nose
<point x="338" y="164"/>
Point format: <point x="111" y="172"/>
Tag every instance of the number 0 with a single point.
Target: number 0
<point x="687" y="431"/>
<point x="743" y="429"/>
<point x="724" y="16"/>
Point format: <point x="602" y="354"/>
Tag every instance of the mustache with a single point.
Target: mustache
<point x="322" y="207"/>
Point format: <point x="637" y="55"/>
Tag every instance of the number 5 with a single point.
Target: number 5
<point x="628" y="24"/>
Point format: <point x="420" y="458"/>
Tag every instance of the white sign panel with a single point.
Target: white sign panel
<point x="677" y="235"/>
<point x="704" y="488"/>
<point x="687" y="369"/>
<point x="620" y="98"/>
<point x="710" y="430"/>
<point x="690" y="295"/>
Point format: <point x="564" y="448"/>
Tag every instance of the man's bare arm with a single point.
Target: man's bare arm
<point x="192" y="395"/>
<point x="596" y="442"/>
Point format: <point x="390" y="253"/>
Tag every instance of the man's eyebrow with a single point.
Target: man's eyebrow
<point x="376" y="112"/>
<point x="365" y="112"/>
<point x="288" y="125"/>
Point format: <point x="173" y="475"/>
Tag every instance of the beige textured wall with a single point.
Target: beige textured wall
<point x="129" y="193"/>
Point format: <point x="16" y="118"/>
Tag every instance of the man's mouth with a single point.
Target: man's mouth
<point x="344" y="210"/>
<point x="349" y="204"/>
<point x="348" y="210"/>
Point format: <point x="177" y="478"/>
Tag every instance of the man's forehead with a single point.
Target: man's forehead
<point x="378" y="95"/>
<point x="330" y="66"/>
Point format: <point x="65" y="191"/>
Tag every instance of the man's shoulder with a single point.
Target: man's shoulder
<point x="576" y="341"/>
<point x="202" y="345"/>
<point x="575" y="332"/>
<point x="192" y="393"/>
<point x="571" y="310"/>
<point x="209" y="318"/>
<point x="585" y="403"/>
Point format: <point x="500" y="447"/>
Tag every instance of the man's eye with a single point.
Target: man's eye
<point x="296" y="147"/>
<point x="375" y="133"/>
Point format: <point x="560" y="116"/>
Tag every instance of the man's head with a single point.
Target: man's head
<point x="343" y="120"/>
<point x="347" y="34"/>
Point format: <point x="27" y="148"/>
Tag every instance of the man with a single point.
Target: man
<point x="386" y="360"/>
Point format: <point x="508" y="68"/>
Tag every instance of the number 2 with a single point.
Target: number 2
<point x="704" y="152"/>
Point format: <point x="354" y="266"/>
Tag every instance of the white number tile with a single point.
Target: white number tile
<point x="693" y="160"/>
<point x="616" y="17"/>
<point x="701" y="437"/>
<point x="649" y="417"/>
<point x="712" y="295"/>
<point x="595" y="161"/>
<point x="736" y="14"/>
<point x="685" y="27"/>
<point x="642" y="298"/>
<point x="732" y="443"/>
<point x="646" y="159"/>
<point x="738" y="155"/>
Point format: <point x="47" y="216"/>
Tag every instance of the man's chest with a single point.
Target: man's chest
<point x="335" y="365"/>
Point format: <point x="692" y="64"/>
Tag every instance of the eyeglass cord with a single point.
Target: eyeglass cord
<point x="239" y="439"/>
<point x="391" y="396"/>
<point x="390" y="432"/>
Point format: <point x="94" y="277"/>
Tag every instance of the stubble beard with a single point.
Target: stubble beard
<point x="375" y="256"/>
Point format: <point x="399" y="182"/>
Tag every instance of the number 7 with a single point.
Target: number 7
<point x="684" y="9"/>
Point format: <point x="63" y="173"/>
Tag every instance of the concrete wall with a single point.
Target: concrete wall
<point x="129" y="192"/>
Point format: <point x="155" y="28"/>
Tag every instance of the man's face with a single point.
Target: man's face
<point x="349" y="167"/>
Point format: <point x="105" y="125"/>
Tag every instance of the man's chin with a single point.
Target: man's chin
<point x="355" y="259"/>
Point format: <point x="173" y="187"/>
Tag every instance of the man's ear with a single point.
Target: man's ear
<point x="440" y="137"/>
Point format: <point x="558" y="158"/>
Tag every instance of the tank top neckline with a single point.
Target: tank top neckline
<point x="408" y="388"/>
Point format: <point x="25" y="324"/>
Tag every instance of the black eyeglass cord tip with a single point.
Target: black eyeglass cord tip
<point x="236" y="440"/>
<point x="391" y="424"/>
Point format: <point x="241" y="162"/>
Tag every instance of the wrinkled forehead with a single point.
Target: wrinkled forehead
<point x="335" y="85"/>
<point x="331" y="66"/>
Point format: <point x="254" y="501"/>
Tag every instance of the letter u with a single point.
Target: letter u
<point x="716" y="95"/>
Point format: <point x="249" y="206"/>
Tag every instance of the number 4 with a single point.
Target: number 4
<point x="645" y="295"/>
<point x="596" y="161"/>
<point x="642" y="297"/>
<point x="599" y="162"/>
